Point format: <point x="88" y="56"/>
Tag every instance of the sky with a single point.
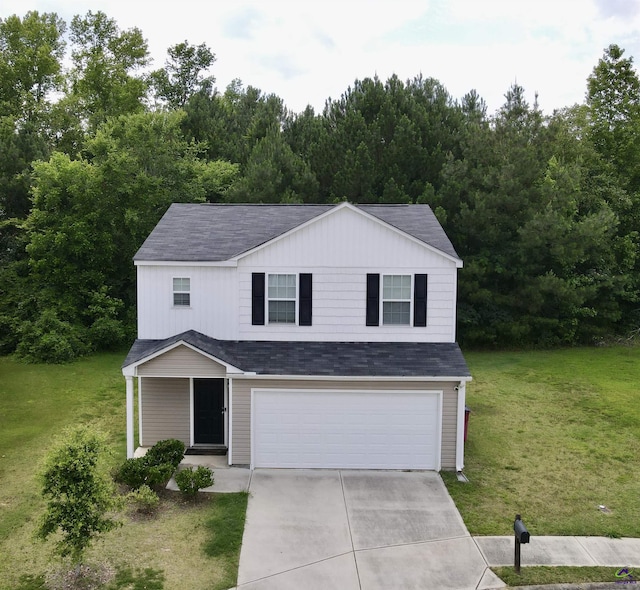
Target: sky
<point x="306" y="51"/>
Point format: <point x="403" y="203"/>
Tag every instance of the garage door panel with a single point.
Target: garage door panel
<point x="346" y="429"/>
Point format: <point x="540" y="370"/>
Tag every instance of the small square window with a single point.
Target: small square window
<point x="181" y="292"/>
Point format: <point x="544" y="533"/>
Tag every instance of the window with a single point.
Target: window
<point x="396" y="299"/>
<point x="281" y="294"/>
<point x="181" y="292"/>
<point x="397" y="295"/>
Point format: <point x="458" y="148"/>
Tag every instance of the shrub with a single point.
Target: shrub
<point x="159" y="475"/>
<point x="50" y="340"/>
<point x="139" y="471"/>
<point x="132" y="473"/>
<point x="155" y="468"/>
<point x="144" y="499"/>
<point x="190" y="481"/>
<point x="170" y="451"/>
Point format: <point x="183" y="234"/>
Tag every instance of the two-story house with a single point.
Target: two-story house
<point x="300" y="336"/>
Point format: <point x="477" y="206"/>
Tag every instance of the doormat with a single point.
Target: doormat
<point x="200" y="451"/>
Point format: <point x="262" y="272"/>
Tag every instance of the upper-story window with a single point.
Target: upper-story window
<point x="181" y="291"/>
<point x="401" y="299"/>
<point x="281" y="295"/>
<point x="396" y="300"/>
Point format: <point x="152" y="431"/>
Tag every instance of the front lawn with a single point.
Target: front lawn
<point x="554" y="436"/>
<point x="193" y="544"/>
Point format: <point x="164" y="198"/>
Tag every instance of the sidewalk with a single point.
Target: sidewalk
<point x="571" y="551"/>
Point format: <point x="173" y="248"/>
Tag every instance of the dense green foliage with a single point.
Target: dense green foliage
<point x="78" y="493"/>
<point x="190" y="481"/>
<point x="169" y="451"/>
<point x="155" y="468"/>
<point x="543" y="209"/>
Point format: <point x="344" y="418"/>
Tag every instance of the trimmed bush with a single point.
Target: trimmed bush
<point x="190" y="481"/>
<point x="132" y="473"/>
<point x="170" y="451"/>
<point x="155" y="468"/>
<point x="138" y="472"/>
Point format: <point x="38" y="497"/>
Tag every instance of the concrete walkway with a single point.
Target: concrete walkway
<point x="368" y="530"/>
<point x="572" y="551"/>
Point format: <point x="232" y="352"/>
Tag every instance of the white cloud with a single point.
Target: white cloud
<point x="306" y="51"/>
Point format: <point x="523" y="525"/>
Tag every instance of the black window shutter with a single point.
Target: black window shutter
<point x="257" y="299"/>
<point x="304" y="312"/>
<point x="373" y="299"/>
<point x="420" y="301"/>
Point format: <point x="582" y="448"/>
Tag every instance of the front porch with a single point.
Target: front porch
<point x="226" y="478"/>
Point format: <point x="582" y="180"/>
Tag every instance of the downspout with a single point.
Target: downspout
<point x="230" y="421"/>
<point x="461" y="388"/>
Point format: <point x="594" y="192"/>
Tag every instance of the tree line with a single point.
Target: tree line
<point x="543" y="209"/>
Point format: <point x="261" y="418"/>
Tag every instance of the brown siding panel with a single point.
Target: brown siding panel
<point x="182" y="361"/>
<point x="241" y="428"/>
<point x="165" y="410"/>
<point x="449" y="426"/>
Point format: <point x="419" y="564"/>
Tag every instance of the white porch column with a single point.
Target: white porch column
<point x="130" y="439"/>
<point x="460" y="434"/>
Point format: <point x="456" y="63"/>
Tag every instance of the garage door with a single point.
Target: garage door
<point x="346" y="429"/>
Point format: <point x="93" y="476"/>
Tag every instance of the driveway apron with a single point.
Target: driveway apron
<point x="356" y="530"/>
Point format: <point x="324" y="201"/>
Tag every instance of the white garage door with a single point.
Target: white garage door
<point x="346" y="429"/>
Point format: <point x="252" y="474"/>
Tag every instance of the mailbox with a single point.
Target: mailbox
<point x="522" y="534"/>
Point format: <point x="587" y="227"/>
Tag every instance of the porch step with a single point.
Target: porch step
<point x="207" y="450"/>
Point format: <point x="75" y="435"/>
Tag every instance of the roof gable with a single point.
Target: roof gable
<point x="207" y="232"/>
<point x="158" y="352"/>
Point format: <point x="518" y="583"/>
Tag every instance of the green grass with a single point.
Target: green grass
<point x="36" y="403"/>
<point x="553" y="435"/>
<point x="556" y="575"/>
<point x="224" y="527"/>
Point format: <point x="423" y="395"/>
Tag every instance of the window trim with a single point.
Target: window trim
<point x="410" y="301"/>
<point x="296" y="300"/>
<point x="181" y="292"/>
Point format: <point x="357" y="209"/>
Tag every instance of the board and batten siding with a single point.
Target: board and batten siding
<point x="213" y="310"/>
<point x="339" y="250"/>
<point x="181" y="361"/>
<point x="165" y="410"/>
<point x="241" y="412"/>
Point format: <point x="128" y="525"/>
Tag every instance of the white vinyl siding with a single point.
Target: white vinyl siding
<point x="338" y="250"/>
<point x="214" y="302"/>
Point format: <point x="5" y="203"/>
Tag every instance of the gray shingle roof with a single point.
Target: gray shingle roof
<point x="195" y="232"/>
<point x="347" y="359"/>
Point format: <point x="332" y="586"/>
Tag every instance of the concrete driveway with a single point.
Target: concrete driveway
<point x="356" y="530"/>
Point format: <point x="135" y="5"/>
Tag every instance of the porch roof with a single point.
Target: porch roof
<point x="348" y="359"/>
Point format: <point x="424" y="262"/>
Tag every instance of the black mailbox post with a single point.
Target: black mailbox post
<point x="522" y="536"/>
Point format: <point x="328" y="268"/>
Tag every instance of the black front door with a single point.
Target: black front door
<point x="208" y="411"/>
